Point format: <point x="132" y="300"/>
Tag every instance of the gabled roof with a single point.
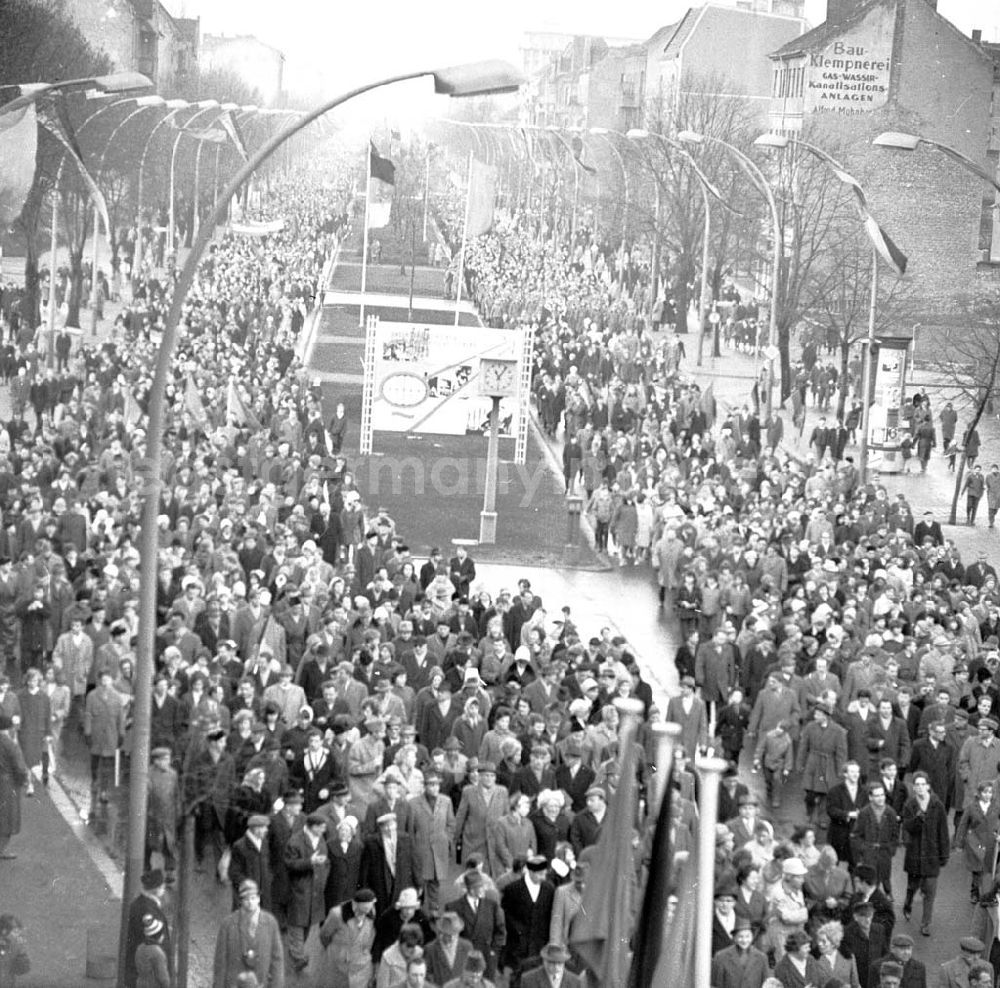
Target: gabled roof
<point x="820" y="36"/>
<point x="726" y="21"/>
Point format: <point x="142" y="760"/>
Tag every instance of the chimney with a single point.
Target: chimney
<point x="977" y="34"/>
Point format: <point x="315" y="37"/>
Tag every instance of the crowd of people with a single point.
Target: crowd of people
<point x="398" y="774"/>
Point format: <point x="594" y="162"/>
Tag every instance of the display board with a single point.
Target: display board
<point x="885" y="428"/>
<point x="424" y="378"/>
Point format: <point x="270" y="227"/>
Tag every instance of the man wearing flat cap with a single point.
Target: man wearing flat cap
<point x="249" y="941"/>
<point x="251" y="858"/>
<point x="586" y="826"/>
<point x="955" y="973"/>
<point x="481" y="806"/>
<point x="913" y="974"/>
<point x="388" y="863"/>
<point x="308" y="865"/>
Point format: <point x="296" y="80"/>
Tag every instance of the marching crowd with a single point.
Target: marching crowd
<point x="830" y="636"/>
<point x="399" y="776"/>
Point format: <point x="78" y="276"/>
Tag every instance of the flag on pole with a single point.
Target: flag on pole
<point x="193" y="404"/>
<point x="59" y="125"/>
<point x="381" y="168"/>
<point x="237" y="410"/>
<point x="482" y="198"/>
<point x="577" y="145"/>
<point x="232" y="128"/>
<point x="18" y="145"/>
<point x="378" y="214"/>
<point x="664" y="941"/>
<point x="604" y="925"/>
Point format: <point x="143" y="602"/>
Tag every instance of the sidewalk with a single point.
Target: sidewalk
<point x="59" y="893"/>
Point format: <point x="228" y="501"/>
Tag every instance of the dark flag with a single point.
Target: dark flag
<point x="663" y="949"/>
<point x="382" y="168"/>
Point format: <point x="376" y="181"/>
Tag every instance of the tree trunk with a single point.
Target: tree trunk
<point x="31" y="310"/>
<point x="75" y="286"/>
<point x="845" y="352"/>
<point x="785" y="362"/>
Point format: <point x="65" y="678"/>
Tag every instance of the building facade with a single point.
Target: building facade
<point x="898" y="65"/>
<point x="141" y="36"/>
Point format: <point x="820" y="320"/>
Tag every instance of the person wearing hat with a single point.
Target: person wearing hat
<point x="483" y="919"/>
<point x="250" y="857"/>
<point x="527" y="908"/>
<point x="954" y="973"/>
<point x="432" y="823"/>
<point x="480" y="807"/>
<point x="448" y="952"/>
<point x="163" y="809"/>
<point x="741" y="964"/>
<point x="151" y="963"/>
<point x="586" y="826"/>
<point x="724" y="915"/>
<point x="391" y="799"/>
<point x="553" y="970"/>
<point x="147" y="904"/>
<point x="208" y="786"/>
<point x="789" y="912"/>
<point x="308" y="866"/>
<point x="388" y="863"/>
<point x="461" y="570"/>
<point x="925" y="824"/>
<point x="821" y="757"/>
<point x="249" y="941"/>
<point x="572" y="776"/>
<point x="104" y="731"/>
<point x="914" y="972"/>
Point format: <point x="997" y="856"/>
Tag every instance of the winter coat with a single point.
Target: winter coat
<point x="13" y="775"/>
<point x="104" y="721"/>
<point x="926" y="836"/>
<point x="307" y="906"/>
<point x="822" y="754"/>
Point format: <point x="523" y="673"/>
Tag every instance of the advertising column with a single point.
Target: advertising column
<point x="885" y="425"/>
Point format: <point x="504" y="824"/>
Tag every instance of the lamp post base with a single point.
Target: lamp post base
<point x="487" y="527"/>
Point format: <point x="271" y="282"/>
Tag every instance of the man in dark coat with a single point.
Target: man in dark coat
<point x="345" y="850"/>
<point x="935" y="756"/>
<point x="447" y="944"/>
<point x="901" y="951"/>
<point x="928" y="528"/>
<point x="388" y="864"/>
<point x="286" y="822"/>
<point x="925" y="830"/>
<point x="208" y="785"/>
<point x="147" y="903"/>
<point x="251" y="858"/>
<point x="527" y="908"/>
<point x="864" y="940"/>
<point x="586" y="826"/>
<point x="308" y="866"/>
<point x="482" y="918"/>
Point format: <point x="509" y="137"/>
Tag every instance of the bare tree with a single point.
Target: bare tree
<point x="841" y="312"/>
<point x="970" y="361"/>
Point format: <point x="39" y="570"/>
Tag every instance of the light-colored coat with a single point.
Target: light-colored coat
<point x="475" y="813"/>
<point x="433" y="832"/>
<point x="347" y="959"/>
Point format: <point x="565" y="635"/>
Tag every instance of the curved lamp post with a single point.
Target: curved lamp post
<point x="707" y="189"/>
<point x="464" y="80"/>
<point x="117" y="82"/>
<point x="201" y="108"/>
<point x="756" y="177"/>
<point x="910" y="142"/>
<point x="555" y="132"/>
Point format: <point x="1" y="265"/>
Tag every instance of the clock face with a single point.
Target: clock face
<point x="498" y="377"/>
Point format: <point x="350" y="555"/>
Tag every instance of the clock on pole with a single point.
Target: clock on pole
<point x="497" y="380"/>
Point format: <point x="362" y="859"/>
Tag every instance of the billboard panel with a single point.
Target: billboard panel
<point x="426" y="378"/>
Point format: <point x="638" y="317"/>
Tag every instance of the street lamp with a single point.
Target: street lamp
<point x="707" y="188"/>
<point x="117" y="82"/>
<point x="757" y="179"/>
<point x="880" y="245"/>
<point x="910" y="142"/>
<point x="465" y="80"/>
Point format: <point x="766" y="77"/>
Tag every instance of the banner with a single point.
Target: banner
<point x="426" y="378"/>
<point x="18" y="145"/>
<point x="257" y="228"/>
<point x="232" y="128"/>
<point x="193" y="404"/>
<point x="482" y="198"/>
